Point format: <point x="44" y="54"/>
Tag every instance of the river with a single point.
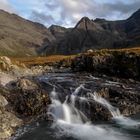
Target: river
<point x="72" y="122"/>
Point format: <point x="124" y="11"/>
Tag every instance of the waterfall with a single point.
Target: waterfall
<point x="66" y="111"/>
<point x="69" y="109"/>
<point x="115" y="112"/>
<point x="71" y="121"/>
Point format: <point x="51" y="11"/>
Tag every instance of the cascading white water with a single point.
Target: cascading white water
<point x="66" y="111"/>
<point x="115" y="112"/>
<point x="73" y="121"/>
<point x="77" y="90"/>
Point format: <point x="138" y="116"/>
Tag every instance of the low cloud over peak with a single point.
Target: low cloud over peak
<point x="68" y="12"/>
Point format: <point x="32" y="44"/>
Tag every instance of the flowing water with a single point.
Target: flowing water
<point x="70" y="121"/>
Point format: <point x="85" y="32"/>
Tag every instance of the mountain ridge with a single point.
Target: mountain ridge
<point x="21" y="37"/>
<point x="99" y="34"/>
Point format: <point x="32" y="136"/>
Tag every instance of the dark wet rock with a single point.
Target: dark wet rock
<point x="21" y="102"/>
<point x="121" y="93"/>
<point x="128" y="102"/>
<point x="28" y="98"/>
<point x="119" y="64"/>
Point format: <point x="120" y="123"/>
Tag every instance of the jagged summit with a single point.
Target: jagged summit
<point x="86" y="19"/>
<point x="18" y="35"/>
<point x="136" y="15"/>
<point x="100" y="33"/>
<point x="83" y="20"/>
<point x="99" y="20"/>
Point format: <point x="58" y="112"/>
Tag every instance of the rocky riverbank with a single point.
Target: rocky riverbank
<point x="22" y="99"/>
<point x="24" y="92"/>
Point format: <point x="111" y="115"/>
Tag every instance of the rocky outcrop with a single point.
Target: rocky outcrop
<point x="24" y="98"/>
<point x="27" y="98"/>
<point x="116" y="63"/>
<point x="8" y="121"/>
<point x="127" y="102"/>
<point x="10" y="69"/>
<point x="79" y="90"/>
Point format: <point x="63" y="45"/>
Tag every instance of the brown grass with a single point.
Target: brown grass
<point x="30" y="61"/>
<point x="135" y="50"/>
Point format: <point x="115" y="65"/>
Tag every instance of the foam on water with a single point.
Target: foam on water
<point x="117" y="116"/>
<point x="74" y="123"/>
<point x="113" y="110"/>
<point x="88" y="131"/>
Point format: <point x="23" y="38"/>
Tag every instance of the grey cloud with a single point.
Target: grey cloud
<point x="70" y="11"/>
<point x="52" y="5"/>
<point x="123" y="7"/>
<point x="5" y="5"/>
<point x="42" y="18"/>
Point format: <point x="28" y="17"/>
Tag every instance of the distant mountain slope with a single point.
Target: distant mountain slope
<point x="20" y="37"/>
<point x="58" y="31"/>
<point x="97" y="34"/>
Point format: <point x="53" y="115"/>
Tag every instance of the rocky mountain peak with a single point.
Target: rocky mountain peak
<point x="56" y="28"/>
<point x="136" y="15"/>
<point x="83" y="22"/>
<point x="85" y="19"/>
<point x="99" y="20"/>
<point x="87" y="24"/>
<point x="58" y="31"/>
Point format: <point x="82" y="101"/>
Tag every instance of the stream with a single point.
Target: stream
<point x="71" y="96"/>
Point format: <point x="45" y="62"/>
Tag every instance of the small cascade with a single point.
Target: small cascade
<point x="77" y="90"/>
<point x="66" y="111"/>
<point x="70" y="108"/>
<point x="115" y="112"/>
<point x="72" y="121"/>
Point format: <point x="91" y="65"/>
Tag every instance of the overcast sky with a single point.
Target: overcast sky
<point x="68" y="12"/>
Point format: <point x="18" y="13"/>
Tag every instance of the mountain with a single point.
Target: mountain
<point x="20" y="37"/>
<point x="97" y="34"/>
<point x="58" y="31"/>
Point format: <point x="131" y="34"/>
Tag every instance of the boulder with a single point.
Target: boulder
<point x="28" y="98"/>
<point x="8" y="121"/>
